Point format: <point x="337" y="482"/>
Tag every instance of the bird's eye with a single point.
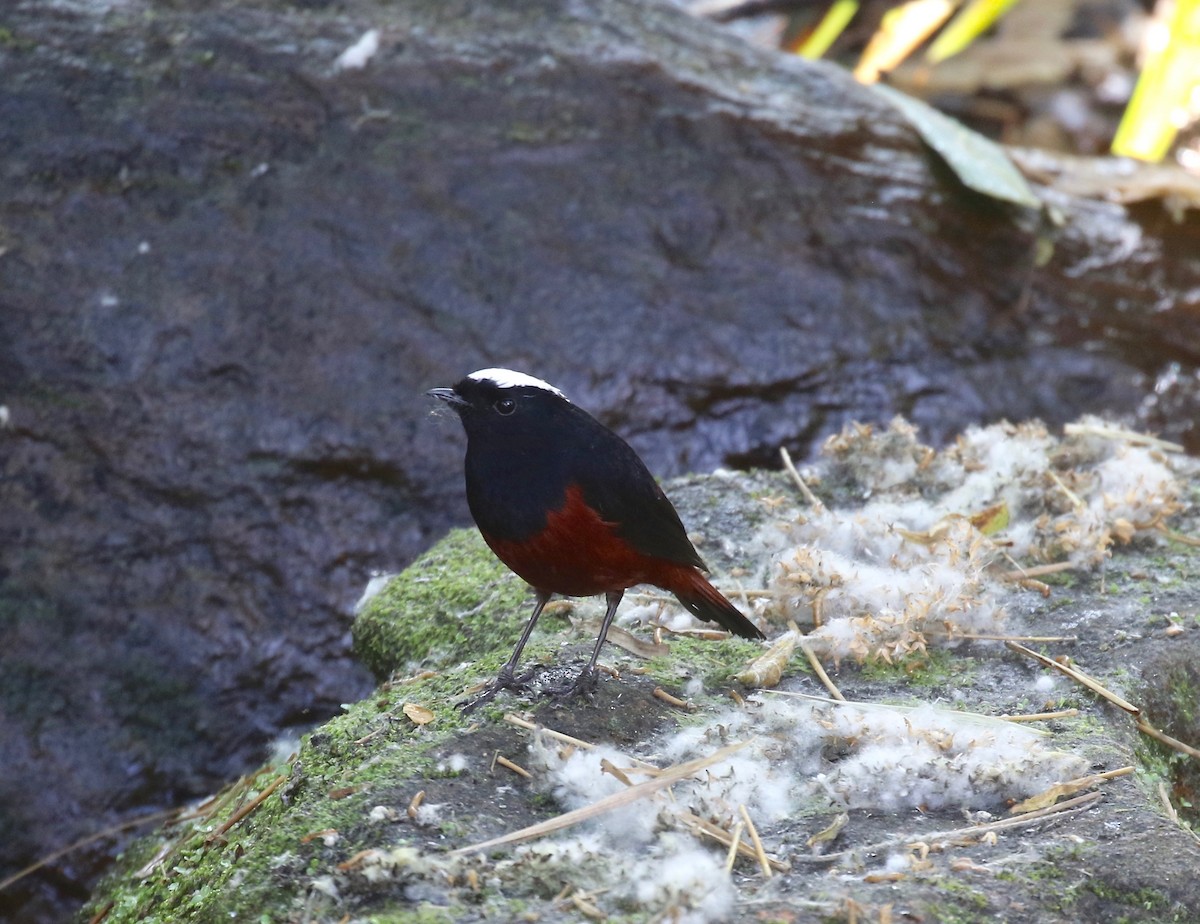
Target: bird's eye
<point x="505" y="406"/>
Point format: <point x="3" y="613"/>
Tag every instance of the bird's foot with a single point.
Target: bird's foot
<point x="583" y="685"/>
<point x="504" y="681"/>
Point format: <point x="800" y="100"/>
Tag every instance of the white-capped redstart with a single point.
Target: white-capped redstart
<point x="567" y="504"/>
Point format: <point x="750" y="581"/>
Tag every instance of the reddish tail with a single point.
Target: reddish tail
<point x="706" y="602"/>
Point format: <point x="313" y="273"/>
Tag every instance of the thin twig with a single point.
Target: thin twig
<point x="813" y="500"/>
<point x="607" y="804"/>
<point x="820" y="671"/>
<point x="514" y="767"/>
<point x="975" y="717"/>
<point x="607" y="766"/>
<point x="758" y="846"/>
<point x="514" y="719"/>
<point x="587" y="908"/>
<point x="1022" y="574"/>
<point x="672" y="700"/>
<point x="1117" y="433"/>
<point x="1147" y="729"/>
<point x="1074" y="498"/>
<point x="1177" y="537"/>
<point x="1078" y="676"/>
<point x="1041" y="716"/>
<point x="1049" y="796"/>
<point x="1165" y="798"/>
<point x="702" y="826"/>
<point x="962" y="836"/>
<point x="246" y="809"/>
<point x="735" y="841"/>
<point x="163" y="816"/>
<point x="649" y="596"/>
<point x="981" y="637"/>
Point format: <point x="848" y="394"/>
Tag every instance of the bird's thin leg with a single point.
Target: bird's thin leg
<point x="507" y="679"/>
<point x="509" y="670"/>
<point x="586" y="681"/>
<point x="613" y="599"/>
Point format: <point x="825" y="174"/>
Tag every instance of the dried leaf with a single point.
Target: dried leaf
<point x="767" y="668"/>
<point x="903" y="28"/>
<point x="830" y="832"/>
<point x="991" y="520"/>
<point x="418" y="715"/>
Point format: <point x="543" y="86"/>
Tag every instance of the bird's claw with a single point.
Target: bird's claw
<point x="504" y="681"/>
<point x="583" y="685"/>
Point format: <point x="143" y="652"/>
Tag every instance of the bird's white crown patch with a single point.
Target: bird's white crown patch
<point x="507" y="378"/>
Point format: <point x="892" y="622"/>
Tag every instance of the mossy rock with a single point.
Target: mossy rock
<point x="455" y="603"/>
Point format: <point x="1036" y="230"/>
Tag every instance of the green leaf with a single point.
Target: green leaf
<point x="979" y="163"/>
<point x="967" y="25"/>
<point x="832" y="24"/>
<point x="1168" y="79"/>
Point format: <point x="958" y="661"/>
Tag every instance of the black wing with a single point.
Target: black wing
<point x="617" y="485"/>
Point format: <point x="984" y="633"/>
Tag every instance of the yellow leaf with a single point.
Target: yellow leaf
<point x="767" y="668"/>
<point x="1048" y="797"/>
<point x="418" y="715"/>
<point x="831" y="832"/>
<point x="992" y="519"/>
<point x="832" y="24"/>
<point x="902" y="30"/>
<point x="968" y="24"/>
<point x="1160" y="99"/>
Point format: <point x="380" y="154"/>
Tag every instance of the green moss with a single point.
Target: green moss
<point x="931" y="668"/>
<point x="714" y="663"/>
<point x="424" y="914"/>
<point x="454" y="603"/>
<point x="1142" y="899"/>
<point x="266" y="865"/>
<point x="1064" y="579"/>
<point x="194" y="880"/>
<point x="967" y="898"/>
<point x="1169" y="699"/>
<point x="1185" y="697"/>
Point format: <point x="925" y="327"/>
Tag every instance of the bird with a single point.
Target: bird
<point x="570" y="507"/>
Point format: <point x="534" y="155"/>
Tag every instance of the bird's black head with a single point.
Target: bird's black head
<point x="501" y="400"/>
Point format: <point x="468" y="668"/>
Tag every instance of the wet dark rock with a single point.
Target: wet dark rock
<point x="227" y="273"/>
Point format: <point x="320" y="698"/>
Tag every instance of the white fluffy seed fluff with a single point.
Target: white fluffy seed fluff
<point x="357" y="55"/>
<point x="802" y="753"/>
<point x="920" y="562"/>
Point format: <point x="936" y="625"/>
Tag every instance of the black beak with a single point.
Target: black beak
<point x="449" y="395"/>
